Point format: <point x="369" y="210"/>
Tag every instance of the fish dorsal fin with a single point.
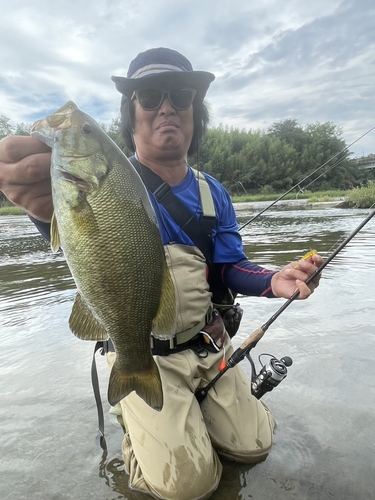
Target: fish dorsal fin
<point x="164" y="323"/>
<point x="83" y="324"/>
<point x="55" y="237"/>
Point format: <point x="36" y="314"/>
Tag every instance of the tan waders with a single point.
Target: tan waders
<point x="173" y="454"/>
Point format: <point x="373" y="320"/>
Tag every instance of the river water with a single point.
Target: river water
<point x="325" y="408"/>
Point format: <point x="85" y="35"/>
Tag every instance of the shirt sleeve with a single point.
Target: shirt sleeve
<point x="247" y="278"/>
<point x="43" y="227"/>
<point x="237" y="272"/>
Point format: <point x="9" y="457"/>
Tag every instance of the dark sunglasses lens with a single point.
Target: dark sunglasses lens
<point x="181" y="98"/>
<point x="149" y="99"/>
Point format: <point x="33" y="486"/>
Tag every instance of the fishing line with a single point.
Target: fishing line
<point x="324" y="173"/>
<point x="307" y="177"/>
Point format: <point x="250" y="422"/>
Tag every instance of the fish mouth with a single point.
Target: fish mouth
<point x="66" y="174"/>
<point x="69" y="177"/>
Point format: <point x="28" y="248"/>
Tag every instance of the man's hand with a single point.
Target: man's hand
<point x="25" y="175"/>
<point x="293" y="276"/>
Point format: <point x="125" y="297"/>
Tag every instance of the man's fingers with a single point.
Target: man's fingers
<point x="304" y="290"/>
<point x="25" y="175"/>
<point x="16" y="147"/>
<point x="18" y="194"/>
<point x="29" y="170"/>
<point x="35" y="199"/>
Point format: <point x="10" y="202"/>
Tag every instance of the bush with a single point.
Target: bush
<point x="267" y="189"/>
<point x="363" y="197"/>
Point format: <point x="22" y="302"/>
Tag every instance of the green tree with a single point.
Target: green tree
<point x="291" y="132"/>
<point x="5" y="127"/>
<point x="114" y="132"/>
<point x="22" y="129"/>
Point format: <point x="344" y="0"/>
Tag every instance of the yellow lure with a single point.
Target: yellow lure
<point x="306" y="256"/>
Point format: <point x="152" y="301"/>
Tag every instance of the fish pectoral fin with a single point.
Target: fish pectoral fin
<point x="165" y="321"/>
<point x="146" y="384"/>
<point x="83" y="324"/>
<point x="55" y="237"/>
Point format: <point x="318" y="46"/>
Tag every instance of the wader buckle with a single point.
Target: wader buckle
<point x="200" y="351"/>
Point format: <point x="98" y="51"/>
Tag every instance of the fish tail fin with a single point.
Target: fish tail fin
<point x="165" y="321"/>
<point x="146" y="384"/>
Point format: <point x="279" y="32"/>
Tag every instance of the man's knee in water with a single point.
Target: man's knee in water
<point x="187" y="478"/>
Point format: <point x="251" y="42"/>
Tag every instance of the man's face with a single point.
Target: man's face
<point x="164" y="132"/>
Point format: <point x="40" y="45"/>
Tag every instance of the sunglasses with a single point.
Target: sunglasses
<point x="151" y="99"/>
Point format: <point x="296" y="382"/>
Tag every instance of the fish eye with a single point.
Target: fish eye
<point x="86" y="128"/>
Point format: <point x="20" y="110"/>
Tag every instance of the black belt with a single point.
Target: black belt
<point x="184" y="340"/>
<point x="164" y="347"/>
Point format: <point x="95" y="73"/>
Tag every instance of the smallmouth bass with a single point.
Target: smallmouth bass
<point x="105" y="224"/>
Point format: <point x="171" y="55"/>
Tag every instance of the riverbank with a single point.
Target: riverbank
<point x="11" y="211"/>
<point x="238" y="206"/>
<point x="244" y="202"/>
<point x="303" y="204"/>
<point x="363" y="197"/>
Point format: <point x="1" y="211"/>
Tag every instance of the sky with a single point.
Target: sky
<point x="313" y="61"/>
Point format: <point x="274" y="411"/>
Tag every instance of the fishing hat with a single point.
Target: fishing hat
<point x="164" y="68"/>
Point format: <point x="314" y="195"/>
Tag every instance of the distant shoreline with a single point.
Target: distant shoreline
<point x="11" y="211"/>
<point x="305" y="203"/>
<point x="239" y="205"/>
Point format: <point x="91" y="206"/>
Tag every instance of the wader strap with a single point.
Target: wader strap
<point x="105" y="347"/>
<point x="199" y="231"/>
<point x="208" y="208"/>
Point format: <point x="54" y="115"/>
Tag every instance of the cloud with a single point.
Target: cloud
<point x="313" y="62"/>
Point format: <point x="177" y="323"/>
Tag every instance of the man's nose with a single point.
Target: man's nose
<point x="166" y="105"/>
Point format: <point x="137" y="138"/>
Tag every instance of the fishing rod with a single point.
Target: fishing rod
<point x="268" y="379"/>
<point x="307" y="177"/>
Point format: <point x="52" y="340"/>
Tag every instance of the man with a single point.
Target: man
<point x="174" y="453"/>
